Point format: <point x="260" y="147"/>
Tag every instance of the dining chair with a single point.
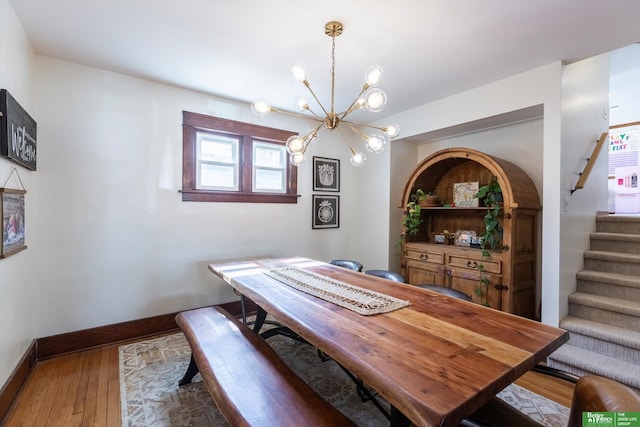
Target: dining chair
<point x="347" y="263"/>
<point x="387" y="274"/>
<point x="447" y="291"/>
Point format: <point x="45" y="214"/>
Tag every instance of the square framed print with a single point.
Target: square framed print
<point x="326" y="174"/>
<point x="464" y="194"/>
<point x="326" y="211"/>
<point x="12" y="210"/>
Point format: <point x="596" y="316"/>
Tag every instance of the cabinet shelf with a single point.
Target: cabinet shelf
<point x="455" y="208"/>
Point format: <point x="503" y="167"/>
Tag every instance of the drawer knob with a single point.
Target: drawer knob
<point x="472" y="264"/>
<point x="424" y="256"/>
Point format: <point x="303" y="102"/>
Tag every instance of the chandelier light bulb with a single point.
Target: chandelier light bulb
<point x="295" y="145"/>
<point x="373" y="75"/>
<point x="392" y="131"/>
<point x="376" y="143"/>
<point x="358" y="159"/>
<point x="298" y="71"/>
<point x="376" y="100"/>
<point x="260" y="108"/>
<point x="297" y="159"/>
<point x="302" y="104"/>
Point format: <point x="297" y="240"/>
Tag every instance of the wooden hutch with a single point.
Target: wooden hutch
<point x="511" y="267"/>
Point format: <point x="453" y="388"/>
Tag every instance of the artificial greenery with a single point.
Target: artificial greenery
<point x="490" y="195"/>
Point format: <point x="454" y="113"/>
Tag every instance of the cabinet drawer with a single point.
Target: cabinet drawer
<point x="471" y="263"/>
<point x="425" y="255"/>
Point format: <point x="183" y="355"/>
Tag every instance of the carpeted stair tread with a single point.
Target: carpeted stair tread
<point x="605" y="303"/>
<point x="605" y="235"/>
<point x="610" y="278"/>
<point x="629" y="219"/>
<point x="612" y="256"/>
<point x="602" y="331"/>
<point x="598" y="364"/>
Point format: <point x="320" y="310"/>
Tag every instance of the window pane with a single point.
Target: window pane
<point x="268" y="155"/>
<point x="218" y="176"/>
<point x="215" y="148"/>
<point x="269" y="180"/>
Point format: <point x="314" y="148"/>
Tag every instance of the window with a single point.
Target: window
<point x="229" y="161"/>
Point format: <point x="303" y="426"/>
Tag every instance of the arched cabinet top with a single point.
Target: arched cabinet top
<point x="459" y="164"/>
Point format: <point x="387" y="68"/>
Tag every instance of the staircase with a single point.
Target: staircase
<point x="604" y="312"/>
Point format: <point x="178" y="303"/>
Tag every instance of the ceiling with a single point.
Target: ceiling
<point x="243" y="49"/>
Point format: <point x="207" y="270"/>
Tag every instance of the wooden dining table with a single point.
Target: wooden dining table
<point x="436" y="361"/>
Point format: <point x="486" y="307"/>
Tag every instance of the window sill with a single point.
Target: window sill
<point x="223" y="196"/>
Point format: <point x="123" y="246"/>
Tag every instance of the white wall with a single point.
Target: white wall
<point x="404" y="158"/>
<point x="17" y="271"/>
<point x="115" y="241"/>
<point x="585" y="108"/>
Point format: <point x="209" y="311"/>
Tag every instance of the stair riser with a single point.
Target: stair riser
<point x="567" y="367"/>
<point x="557" y="364"/>
<point x="604" y="316"/>
<point x="620" y="352"/>
<point x="609" y="290"/>
<point x="623" y="246"/>
<point x="618" y="227"/>
<point x="609" y="266"/>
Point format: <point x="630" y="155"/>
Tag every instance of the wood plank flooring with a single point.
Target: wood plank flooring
<point x="83" y="389"/>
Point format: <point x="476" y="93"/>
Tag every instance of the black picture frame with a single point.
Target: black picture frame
<point x="18" y="132"/>
<point x="326" y="211"/>
<point x="326" y="174"/>
<point x="13" y="223"/>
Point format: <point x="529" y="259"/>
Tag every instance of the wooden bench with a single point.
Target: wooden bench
<point x="249" y="382"/>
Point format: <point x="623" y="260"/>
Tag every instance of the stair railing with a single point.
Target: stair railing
<point x="590" y="162"/>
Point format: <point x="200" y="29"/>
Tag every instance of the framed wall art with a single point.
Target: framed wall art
<point x="17" y="132"/>
<point x="326" y="174"/>
<point x="326" y="211"/>
<point x="13" y="226"/>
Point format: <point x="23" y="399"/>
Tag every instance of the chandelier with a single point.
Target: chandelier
<point x="370" y="97"/>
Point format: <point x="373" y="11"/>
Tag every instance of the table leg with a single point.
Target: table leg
<point x="261" y="316"/>
<point x="398" y="419"/>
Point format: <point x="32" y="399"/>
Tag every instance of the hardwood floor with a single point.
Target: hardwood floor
<point x="83" y="389"/>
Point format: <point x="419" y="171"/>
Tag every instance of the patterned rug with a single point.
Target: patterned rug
<point x="150" y="396"/>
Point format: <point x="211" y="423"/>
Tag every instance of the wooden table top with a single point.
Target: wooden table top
<point x="437" y="360"/>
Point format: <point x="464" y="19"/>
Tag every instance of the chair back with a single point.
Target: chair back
<point x="594" y="393"/>
<point x="347" y="263"/>
<point x="387" y="274"/>
<point x="447" y="291"/>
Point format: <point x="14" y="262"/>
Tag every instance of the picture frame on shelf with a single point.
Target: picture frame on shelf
<point x="326" y="174"/>
<point x="326" y="211"/>
<point x="12" y="210"/>
<point x="464" y="194"/>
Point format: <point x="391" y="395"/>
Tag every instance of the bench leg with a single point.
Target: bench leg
<point x="192" y="370"/>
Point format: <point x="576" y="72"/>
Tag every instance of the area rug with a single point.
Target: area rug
<point x="150" y="396"/>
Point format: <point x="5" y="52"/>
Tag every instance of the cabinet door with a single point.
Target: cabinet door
<point x="468" y="282"/>
<point x="420" y="273"/>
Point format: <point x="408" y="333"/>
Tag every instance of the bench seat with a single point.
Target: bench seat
<point x="249" y="382"/>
